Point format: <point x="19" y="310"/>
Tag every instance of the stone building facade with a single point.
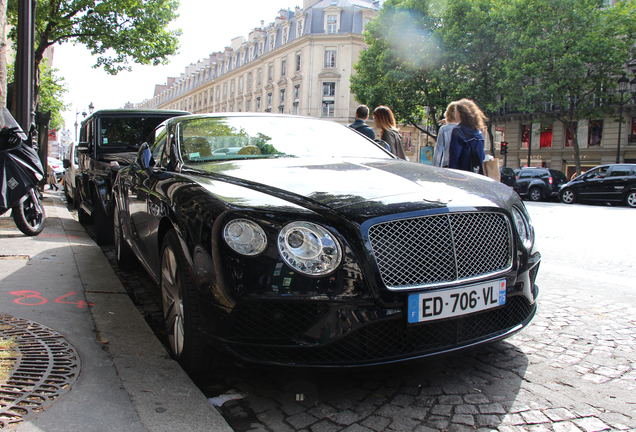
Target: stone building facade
<point x="299" y="64"/>
<point x="551" y="144"/>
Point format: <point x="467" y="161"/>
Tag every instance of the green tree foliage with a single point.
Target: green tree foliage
<point x="402" y="67"/>
<point x="476" y="43"/>
<point x="52" y="89"/>
<point x="566" y="53"/>
<point x="117" y="32"/>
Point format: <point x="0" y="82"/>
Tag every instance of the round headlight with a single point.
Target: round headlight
<point x="524" y="227"/>
<point x="245" y="237"/>
<point x="309" y="248"/>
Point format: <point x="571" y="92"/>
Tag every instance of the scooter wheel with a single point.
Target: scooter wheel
<point x="29" y="216"/>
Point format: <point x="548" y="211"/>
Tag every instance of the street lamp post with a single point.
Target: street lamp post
<point x="623" y="87"/>
<point x="91" y="108"/>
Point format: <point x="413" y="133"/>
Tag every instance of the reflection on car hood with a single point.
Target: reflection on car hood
<point x="348" y="184"/>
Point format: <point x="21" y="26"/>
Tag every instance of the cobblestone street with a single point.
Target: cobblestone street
<point x="572" y="369"/>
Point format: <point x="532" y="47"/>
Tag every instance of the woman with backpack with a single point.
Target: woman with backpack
<point x="466" y="150"/>
<point x="385" y="119"/>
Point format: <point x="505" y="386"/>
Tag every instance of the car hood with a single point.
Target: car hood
<point x="362" y="188"/>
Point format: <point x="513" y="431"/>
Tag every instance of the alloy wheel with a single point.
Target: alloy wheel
<point x="171" y="295"/>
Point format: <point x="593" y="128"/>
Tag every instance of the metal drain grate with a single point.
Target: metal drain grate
<point x="46" y="368"/>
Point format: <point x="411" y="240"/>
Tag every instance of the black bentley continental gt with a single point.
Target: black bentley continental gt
<point x="297" y="241"/>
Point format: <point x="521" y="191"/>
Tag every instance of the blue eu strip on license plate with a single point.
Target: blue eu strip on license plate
<point x="434" y="305"/>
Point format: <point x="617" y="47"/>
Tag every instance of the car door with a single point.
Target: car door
<point x="524" y="178"/>
<point x="615" y="182"/>
<point x="590" y="188"/>
<point x="141" y="204"/>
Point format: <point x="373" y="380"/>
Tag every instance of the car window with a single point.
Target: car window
<point x="620" y="171"/>
<point x="543" y="174"/>
<point x="507" y="171"/>
<point x="596" y="173"/>
<point x="525" y="174"/>
<point x="159" y="138"/>
<point x="558" y="176"/>
<point x="250" y="137"/>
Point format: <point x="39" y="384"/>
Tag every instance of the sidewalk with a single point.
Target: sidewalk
<point x="123" y="378"/>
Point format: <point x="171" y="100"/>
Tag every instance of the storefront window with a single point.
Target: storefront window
<point x="595" y="133"/>
<point x="525" y="136"/>
<point x="546" y="135"/>
<point x="632" y="136"/>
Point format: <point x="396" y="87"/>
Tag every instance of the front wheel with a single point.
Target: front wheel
<point x="631" y="199"/>
<point x="181" y="309"/>
<point x="535" y="194"/>
<point x="29" y="216"/>
<point x="568" y="196"/>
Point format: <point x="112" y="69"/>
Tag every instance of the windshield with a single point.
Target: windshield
<point x="222" y="138"/>
<point x="127" y="132"/>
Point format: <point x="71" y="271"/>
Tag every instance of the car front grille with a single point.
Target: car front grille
<point x="392" y="339"/>
<point x="432" y="250"/>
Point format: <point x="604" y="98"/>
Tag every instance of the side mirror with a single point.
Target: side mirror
<point x="82" y="147"/>
<point x="66" y="163"/>
<point x="144" y="158"/>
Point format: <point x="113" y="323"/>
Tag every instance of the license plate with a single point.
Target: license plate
<point x="436" y="305"/>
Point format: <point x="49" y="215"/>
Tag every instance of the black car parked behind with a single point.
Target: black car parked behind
<point x="538" y="184"/>
<point x="606" y="184"/>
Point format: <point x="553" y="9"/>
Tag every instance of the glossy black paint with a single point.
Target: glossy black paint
<point x="346" y="196"/>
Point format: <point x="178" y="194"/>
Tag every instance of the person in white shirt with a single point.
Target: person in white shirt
<point x="440" y="154"/>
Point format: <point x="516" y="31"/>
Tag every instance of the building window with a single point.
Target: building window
<point x="285" y="34"/>
<point x="271" y="43"/>
<point x="297" y="91"/>
<point x="546" y="136"/>
<point x="261" y="46"/>
<point x="269" y="100"/>
<point x="283" y="67"/>
<point x="239" y="107"/>
<point x="525" y="135"/>
<point x="249" y="81"/>
<point x="224" y="90"/>
<point x="330" y="59"/>
<point x="298" y="62"/>
<point x="631" y="139"/>
<point x="232" y="88"/>
<point x="332" y="23"/>
<point x="299" y="30"/>
<point x="270" y="72"/>
<point x="258" y="104"/>
<point x="240" y="84"/>
<point x="248" y="106"/>
<point x="296" y="104"/>
<point x="329" y="89"/>
<point x="259" y="77"/>
<point x="595" y="133"/>
<point x="328" y="109"/>
<point x="282" y="96"/>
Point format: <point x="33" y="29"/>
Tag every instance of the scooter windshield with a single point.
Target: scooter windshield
<point x="7" y="121"/>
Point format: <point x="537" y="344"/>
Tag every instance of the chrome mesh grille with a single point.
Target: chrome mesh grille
<point x="433" y="250"/>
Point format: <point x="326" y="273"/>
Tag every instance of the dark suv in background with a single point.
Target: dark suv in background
<point x="109" y="139"/>
<point x="539" y="184"/>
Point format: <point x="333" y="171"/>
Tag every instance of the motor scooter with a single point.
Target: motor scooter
<point x="20" y="171"/>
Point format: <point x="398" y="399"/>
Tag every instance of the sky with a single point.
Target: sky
<point x="207" y="27"/>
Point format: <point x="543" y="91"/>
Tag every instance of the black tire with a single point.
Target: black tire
<point x="181" y="310"/>
<point x="568" y="196"/>
<point x="630" y="199"/>
<point x="29" y="216"/>
<point x="535" y="194"/>
<point x="104" y="229"/>
<point x="126" y="258"/>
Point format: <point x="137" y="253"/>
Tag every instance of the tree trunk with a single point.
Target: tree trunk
<point x="3" y="53"/>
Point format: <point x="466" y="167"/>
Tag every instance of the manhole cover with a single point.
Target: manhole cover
<point x="45" y="368"/>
